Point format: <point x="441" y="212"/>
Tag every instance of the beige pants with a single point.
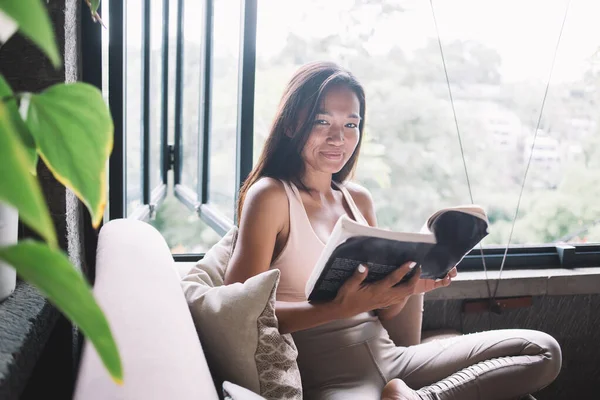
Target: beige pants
<point x="355" y="358"/>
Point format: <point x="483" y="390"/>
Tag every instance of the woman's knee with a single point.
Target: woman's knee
<point x="545" y="349"/>
<point x="552" y="355"/>
<point x="542" y="351"/>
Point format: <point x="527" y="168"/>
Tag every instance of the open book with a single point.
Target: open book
<point x="447" y="236"/>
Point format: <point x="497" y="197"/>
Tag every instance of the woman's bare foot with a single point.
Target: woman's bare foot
<point x="396" y="389"/>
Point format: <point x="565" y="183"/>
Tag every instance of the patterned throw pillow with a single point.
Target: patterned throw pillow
<point x="238" y="329"/>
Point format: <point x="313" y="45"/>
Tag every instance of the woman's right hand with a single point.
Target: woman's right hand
<point x="355" y="297"/>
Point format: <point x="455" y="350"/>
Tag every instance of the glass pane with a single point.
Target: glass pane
<point x="192" y="56"/>
<point x="410" y="158"/>
<point x="225" y="68"/>
<point x="172" y="70"/>
<point x="104" y="9"/>
<point x="182" y="229"/>
<point x="156" y="98"/>
<point x="133" y="101"/>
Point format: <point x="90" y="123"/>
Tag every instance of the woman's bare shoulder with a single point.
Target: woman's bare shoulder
<point x="360" y="194"/>
<point x="264" y="214"/>
<point x="266" y="195"/>
<point x="363" y="199"/>
<point x="267" y="190"/>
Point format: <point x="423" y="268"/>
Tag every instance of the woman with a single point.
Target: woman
<point x="288" y="207"/>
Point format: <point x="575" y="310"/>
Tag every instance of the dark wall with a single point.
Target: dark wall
<point x="572" y="320"/>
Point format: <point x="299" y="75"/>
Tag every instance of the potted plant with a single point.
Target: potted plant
<point x="69" y="128"/>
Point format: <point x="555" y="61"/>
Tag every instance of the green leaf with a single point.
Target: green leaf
<point x="6" y="94"/>
<point x="73" y="130"/>
<point x="52" y="273"/>
<point x="34" y="22"/>
<point x="94" y="4"/>
<point x="17" y="186"/>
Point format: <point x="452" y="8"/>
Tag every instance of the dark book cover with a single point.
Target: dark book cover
<point x="381" y="256"/>
<point x="453" y="234"/>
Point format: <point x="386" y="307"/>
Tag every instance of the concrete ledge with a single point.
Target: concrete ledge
<point x="26" y="321"/>
<point x="525" y="282"/>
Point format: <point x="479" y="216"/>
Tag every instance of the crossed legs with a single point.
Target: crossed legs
<point x="500" y="364"/>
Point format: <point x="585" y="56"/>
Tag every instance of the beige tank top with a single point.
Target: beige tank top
<point x="303" y="247"/>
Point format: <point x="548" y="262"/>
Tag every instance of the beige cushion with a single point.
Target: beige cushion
<point x="237" y="326"/>
<point x="183" y="267"/>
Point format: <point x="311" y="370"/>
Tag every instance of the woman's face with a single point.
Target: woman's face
<point x="334" y="134"/>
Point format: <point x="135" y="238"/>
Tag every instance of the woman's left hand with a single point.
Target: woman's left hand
<point x="421" y="286"/>
<point x="427" y="285"/>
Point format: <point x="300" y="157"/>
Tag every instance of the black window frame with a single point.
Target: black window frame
<point x="151" y="198"/>
<point x="547" y="256"/>
<point x="198" y="199"/>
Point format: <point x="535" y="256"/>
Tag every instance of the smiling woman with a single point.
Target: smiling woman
<point x="288" y="208"/>
<point x="292" y="146"/>
<point x="335" y="133"/>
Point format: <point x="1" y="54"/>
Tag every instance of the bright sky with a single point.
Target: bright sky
<point x="524" y="32"/>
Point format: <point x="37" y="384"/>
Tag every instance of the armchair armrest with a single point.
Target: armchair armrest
<point x="139" y="290"/>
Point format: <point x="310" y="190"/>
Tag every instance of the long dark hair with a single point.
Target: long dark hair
<point x="281" y="157"/>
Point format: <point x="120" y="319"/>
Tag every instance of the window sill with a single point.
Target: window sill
<point x="513" y="283"/>
<point x="26" y="321"/>
<point x="524" y="282"/>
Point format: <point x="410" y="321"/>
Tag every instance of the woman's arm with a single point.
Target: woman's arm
<point x="353" y="298"/>
<point x="385" y="314"/>
<point x="264" y="217"/>
<point x="297" y="316"/>
<point x="365" y="204"/>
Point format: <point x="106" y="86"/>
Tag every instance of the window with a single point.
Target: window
<point x="156" y="92"/>
<point x="189" y="234"/>
<point x="133" y="102"/>
<point x="191" y="67"/>
<point x="227" y="62"/>
<point x="224" y="100"/>
<point x="411" y="159"/>
<point x="154" y="53"/>
<point x="172" y="30"/>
